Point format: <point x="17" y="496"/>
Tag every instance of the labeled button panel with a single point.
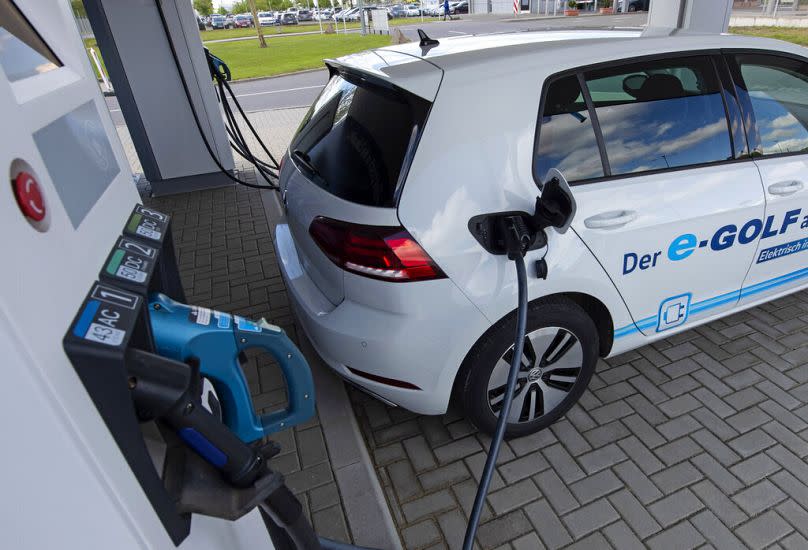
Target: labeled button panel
<point x="145" y="223"/>
<point x="126" y="267"/>
<point x="107" y="316"/>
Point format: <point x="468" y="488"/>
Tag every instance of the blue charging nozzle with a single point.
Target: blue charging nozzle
<point x="217" y="340"/>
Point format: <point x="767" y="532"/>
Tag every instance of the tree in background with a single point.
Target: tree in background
<point x="204" y="7"/>
<point x="243" y="6"/>
<point x="222" y="10"/>
<point x="254" y="10"/>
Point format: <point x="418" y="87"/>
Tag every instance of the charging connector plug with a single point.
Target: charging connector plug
<point x="518" y="236"/>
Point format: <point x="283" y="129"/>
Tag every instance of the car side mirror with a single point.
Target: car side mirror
<point x="556" y="206"/>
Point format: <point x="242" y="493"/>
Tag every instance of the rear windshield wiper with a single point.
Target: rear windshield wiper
<point x="305" y="161"/>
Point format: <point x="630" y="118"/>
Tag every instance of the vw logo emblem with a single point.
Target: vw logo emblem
<point x="534" y="374"/>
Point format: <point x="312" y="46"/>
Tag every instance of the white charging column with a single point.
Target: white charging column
<point x="710" y="16"/>
<point x="138" y="56"/>
<point x="68" y="192"/>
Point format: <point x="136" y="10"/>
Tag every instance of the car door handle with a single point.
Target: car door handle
<point x="608" y="220"/>
<point x="783" y="188"/>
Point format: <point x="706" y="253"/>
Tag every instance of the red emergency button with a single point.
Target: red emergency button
<point x="29" y="196"/>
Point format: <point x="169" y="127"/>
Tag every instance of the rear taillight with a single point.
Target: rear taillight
<point x="387" y="253"/>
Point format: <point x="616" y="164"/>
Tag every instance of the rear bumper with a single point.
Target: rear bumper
<point x="414" y="332"/>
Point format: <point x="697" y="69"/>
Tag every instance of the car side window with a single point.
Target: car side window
<point x="778" y="93"/>
<point x="660" y="114"/>
<point x="566" y="136"/>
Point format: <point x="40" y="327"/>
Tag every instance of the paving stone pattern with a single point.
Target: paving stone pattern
<point x="227" y="262"/>
<point x="697" y="441"/>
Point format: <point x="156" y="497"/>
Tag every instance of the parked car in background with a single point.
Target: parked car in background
<point x="347" y="15"/>
<point x="639" y="5"/>
<point x="220" y="22"/>
<point x="242" y="21"/>
<point x="287" y="19"/>
<point x="229" y="18"/>
<point x="200" y="23"/>
<point x="397" y="10"/>
<point x="304" y="15"/>
<point x="459" y="7"/>
<point x="413" y="10"/>
<point x="266" y="18"/>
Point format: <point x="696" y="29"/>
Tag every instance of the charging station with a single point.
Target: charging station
<point x="68" y="482"/>
<point x="149" y="89"/>
<point x="85" y="467"/>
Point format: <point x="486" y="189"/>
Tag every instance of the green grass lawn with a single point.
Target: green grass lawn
<point x="91" y="43"/>
<point x="220" y="34"/>
<point x="247" y="60"/>
<point x="798" y="36"/>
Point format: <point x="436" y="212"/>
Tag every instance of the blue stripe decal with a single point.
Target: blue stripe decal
<point x="717" y="301"/>
<point x="710" y="303"/>
<point x="87" y="316"/>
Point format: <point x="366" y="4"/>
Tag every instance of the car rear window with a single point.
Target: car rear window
<point x="358" y="138"/>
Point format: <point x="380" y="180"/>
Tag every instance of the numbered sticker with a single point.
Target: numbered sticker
<point x="136" y="247"/>
<point x="148" y="233"/>
<point x="105" y="335"/>
<point x="130" y="274"/>
<point x="146" y="226"/>
<point x="128" y="266"/>
<point x="103" y="322"/>
<point x="159" y="216"/>
<point x="115" y="296"/>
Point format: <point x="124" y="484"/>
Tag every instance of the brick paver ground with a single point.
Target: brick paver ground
<point x="695" y="441"/>
<point x="227" y="262"/>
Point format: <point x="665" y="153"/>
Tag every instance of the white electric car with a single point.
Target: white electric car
<point x="688" y="165"/>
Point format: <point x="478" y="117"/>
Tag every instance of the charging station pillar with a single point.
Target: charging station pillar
<point x="154" y="105"/>
<point x="710" y="16"/>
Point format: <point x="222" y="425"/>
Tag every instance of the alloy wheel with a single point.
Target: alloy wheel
<point x="551" y="364"/>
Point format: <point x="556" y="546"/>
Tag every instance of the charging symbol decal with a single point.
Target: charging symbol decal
<point x="673" y="312"/>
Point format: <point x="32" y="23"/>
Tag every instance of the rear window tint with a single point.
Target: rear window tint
<point x="357" y="137"/>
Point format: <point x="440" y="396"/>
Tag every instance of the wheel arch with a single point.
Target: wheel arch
<point x="599" y="314"/>
<point x="591" y="305"/>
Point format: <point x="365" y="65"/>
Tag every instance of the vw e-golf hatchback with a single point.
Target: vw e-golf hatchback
<point x="688" y="165"/>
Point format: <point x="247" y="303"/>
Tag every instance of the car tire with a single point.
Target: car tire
<point x="561" y="323"/>
<point x="632" y="9"/>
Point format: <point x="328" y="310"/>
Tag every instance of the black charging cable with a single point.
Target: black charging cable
<point x="518" y="241"/>
<point x="217" y="66"/>
<point x="213" y="156"/>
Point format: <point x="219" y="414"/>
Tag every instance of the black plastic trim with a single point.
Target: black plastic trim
<point x="593" y="117"/>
